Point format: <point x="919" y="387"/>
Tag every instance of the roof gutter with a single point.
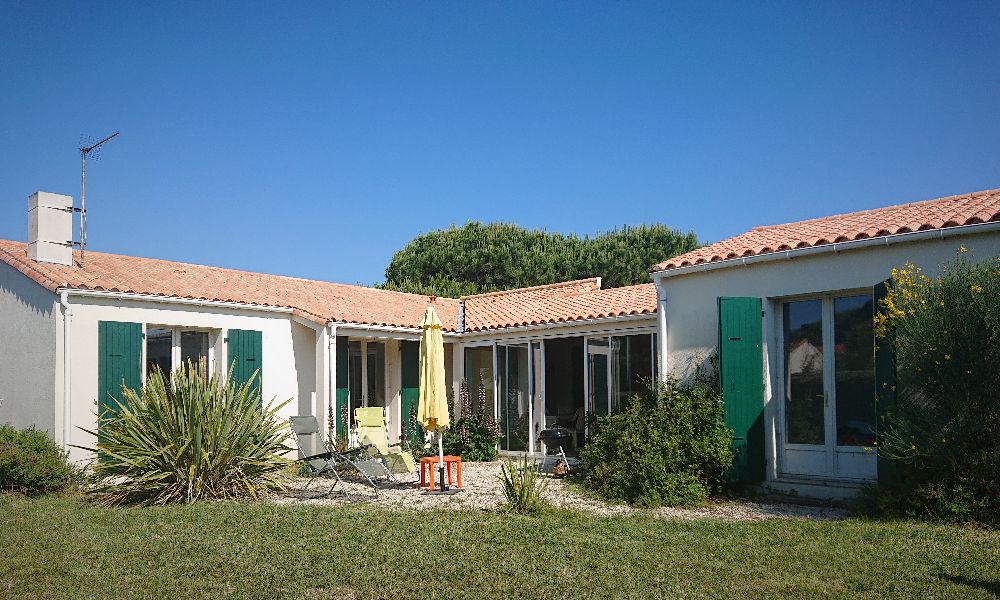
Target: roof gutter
<point x="599" y="321"/>
<point x="173" y="300"/>
<point x="836" y="248"/>
<point x="392" y="329"/>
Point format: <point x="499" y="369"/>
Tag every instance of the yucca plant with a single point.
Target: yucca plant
<point x="186" y="438"/>
<point x="522" y="487"/>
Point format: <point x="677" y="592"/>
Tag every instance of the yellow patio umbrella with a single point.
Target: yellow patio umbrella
<point x="432" y="405"/>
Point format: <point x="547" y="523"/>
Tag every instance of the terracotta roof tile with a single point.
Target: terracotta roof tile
<point x="321" y="301"/>
<point x="317" y="301"/>
<point x="556" y="303"/>
<point x="953" y="211"/>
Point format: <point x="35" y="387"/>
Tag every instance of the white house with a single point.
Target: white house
<point x="74" y="327"/>
<point x="773" y="301"/>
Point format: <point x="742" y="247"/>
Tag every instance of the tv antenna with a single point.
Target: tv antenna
<point x="91" y="149"/>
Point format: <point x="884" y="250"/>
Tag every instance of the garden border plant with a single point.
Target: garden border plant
<point x="939" y="428"/>
<point x="31" y="463"/>
<point x="669" y="446"/>
<point x="189" y="437"/>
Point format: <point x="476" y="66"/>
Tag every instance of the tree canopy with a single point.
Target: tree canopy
<point x="478" y="257"/>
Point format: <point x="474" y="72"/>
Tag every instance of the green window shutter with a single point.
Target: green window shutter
<point x="342" y="388"/>
<point x="119" y="350"/>
<point x="885" y="384"/>
<point x="741" y="377"/>
<point x="246" y="356"/>
<point x="410" y="394"/>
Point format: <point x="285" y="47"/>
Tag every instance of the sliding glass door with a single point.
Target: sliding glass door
<point x="829" y="387"/>
<point x="515" y="397"/>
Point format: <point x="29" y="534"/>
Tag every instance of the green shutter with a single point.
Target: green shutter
<point x="342" y="388"/>
<point x="885" y="384"/>
<point x="245" y="356"/>
<point x="741" y="377"/>
<point x="119" y="349"/>
<point x="410" y="394"/>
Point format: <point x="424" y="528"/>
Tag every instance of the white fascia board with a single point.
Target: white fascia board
<point x="836" y="247"/>
<point x="173" y="300"/>
<point x="567" y="328"/>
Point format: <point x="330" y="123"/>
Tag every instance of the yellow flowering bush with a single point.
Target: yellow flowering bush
<point x="940" y="425"/>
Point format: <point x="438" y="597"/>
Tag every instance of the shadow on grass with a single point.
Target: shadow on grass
<point x="992" y="587"/>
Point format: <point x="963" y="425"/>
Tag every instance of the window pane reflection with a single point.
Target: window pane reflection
<point x="855" y="370"/>
<point x="803" y="328"/>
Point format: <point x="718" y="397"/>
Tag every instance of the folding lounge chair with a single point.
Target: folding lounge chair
<point x="372" y="434"/>
<point x="322" y="459"/>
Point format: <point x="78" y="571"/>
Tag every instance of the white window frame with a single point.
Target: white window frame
<point x="175" y="345"/>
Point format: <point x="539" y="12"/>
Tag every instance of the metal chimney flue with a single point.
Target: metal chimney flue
<point x="50" y="228"/>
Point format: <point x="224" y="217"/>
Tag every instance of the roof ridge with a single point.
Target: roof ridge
<point x="543" y="286"/>
<point x="942" y="199"/>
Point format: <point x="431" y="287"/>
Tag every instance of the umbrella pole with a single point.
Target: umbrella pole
<point x="441" y="465"/>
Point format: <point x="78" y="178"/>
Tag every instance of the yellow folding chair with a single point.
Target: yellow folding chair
<point x="373" y="434"/>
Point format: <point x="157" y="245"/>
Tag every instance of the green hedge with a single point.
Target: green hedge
<point x="940" y="431"/>
<point x="668" y="447"/>
<point x="31" y="463"/>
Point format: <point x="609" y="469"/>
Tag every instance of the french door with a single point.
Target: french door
<point x="828" y="376"/>
<point x="365" y="375"/>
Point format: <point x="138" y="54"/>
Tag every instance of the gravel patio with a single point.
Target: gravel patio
<point x="481" y="491"/>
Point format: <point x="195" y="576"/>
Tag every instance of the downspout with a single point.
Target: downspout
<point x="67" y="367"/>
<point x="661" y="326"/>
<point x="331" y="408"/>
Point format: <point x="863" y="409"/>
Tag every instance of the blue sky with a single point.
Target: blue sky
<point x="316" y="139"/>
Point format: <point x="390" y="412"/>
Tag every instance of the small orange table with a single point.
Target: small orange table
<point x="428" y="462"/>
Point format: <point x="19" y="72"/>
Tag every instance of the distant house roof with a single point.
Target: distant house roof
<point x="557" y="303"/>
<point x="967" y="209"/>
<point x="321" y="302"/>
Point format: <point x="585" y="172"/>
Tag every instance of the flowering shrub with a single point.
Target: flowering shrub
<point x="668" y="447"/>
<point x="474" y="435"/>
<point x="941" y="432"/>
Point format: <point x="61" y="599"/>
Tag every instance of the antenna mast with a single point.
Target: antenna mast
<point x="85" y="151"/>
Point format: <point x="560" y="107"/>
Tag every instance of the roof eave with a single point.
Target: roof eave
<point x="836" y="247"/>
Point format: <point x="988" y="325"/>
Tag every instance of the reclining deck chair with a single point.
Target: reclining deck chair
<point x="372" y="434"/>
<point x="320" y="458"/>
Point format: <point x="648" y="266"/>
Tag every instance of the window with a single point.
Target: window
<point x="170" y="348"/>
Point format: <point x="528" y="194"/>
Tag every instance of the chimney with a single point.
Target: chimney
<point x="50" y="228"/>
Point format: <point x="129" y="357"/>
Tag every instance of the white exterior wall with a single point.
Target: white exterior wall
<point x="28" y="353"/>
<point x="289" y="353"/>
<point x="691" y="317"/>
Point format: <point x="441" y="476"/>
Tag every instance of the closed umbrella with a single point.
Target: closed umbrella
<point x="432" y="407"/>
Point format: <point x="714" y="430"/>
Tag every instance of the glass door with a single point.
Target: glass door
<point x="599" y="365"/>
<point x="829" y="387"/>
<point x="365" y="375"/>
<point x="515" y="397"/>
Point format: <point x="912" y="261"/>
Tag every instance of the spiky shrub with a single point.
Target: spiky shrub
<point x="522" y="487"/>
<point x="187" y="438"/>
<point x="940" y="434"/>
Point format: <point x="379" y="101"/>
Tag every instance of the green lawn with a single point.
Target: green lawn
<point x="64" y="548"/>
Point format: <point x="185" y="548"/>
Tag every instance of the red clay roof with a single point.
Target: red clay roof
<point x="556" y="303"/>
<point x="317" y="301"/>
<point x="321" y="301"/>
<point x="967" y="209"/>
